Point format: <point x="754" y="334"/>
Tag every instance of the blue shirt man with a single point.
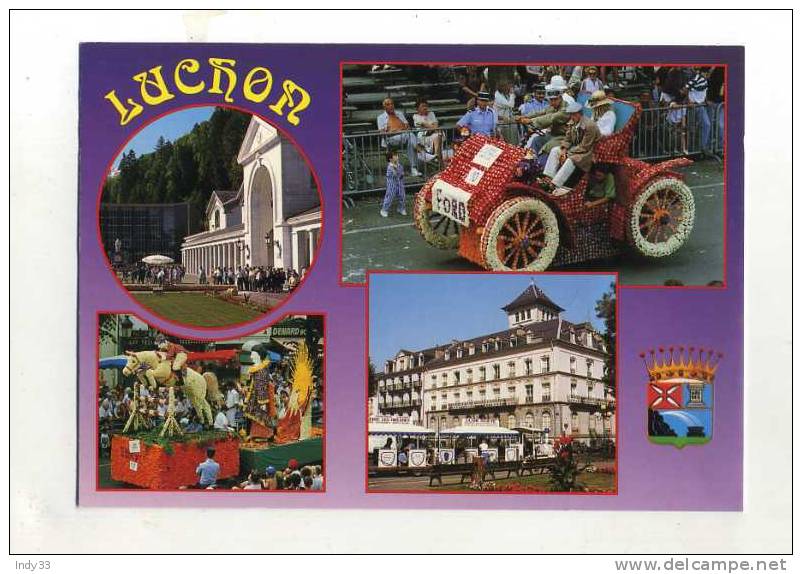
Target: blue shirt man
<point x="208" y="470"/>
<point x="481" y="119"/>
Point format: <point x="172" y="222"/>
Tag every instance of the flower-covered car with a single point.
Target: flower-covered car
<point x="501" y="217"/>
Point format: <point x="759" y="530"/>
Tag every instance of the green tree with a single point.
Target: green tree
<point x="605" y="310"/>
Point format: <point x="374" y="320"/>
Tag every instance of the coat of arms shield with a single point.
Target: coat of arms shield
<point x="680" y="395"/>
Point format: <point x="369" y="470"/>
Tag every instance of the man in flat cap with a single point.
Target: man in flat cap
<point x="576" y="150"/>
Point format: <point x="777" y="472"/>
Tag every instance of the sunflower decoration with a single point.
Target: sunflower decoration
<point x="301" y="374"/>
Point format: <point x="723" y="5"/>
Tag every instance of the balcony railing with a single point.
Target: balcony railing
<point x="481" y="404"/>
<point x="577" y="399"/>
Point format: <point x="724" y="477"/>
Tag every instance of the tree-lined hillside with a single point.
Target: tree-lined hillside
<point x="188" y="169"/>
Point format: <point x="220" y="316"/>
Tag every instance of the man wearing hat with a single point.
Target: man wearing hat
<point x="552" y="120"/>
<point x="603" y="113"/>
<point x="481" y="119"/>
<point x="576" y="150"/>
<point x="591" y="83"/>
<point x="537" y="103"/>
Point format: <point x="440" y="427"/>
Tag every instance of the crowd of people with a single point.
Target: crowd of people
<point x="263" y="279"/>
<point x="539" y="109"/>
<point x="292" y="477"/>
<point x="144" y="274"/>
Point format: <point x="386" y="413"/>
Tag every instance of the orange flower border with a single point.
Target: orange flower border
<point x="156" y="469"/>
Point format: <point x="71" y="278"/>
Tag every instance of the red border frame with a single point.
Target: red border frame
<point x="493" y="492"/>
<point x="284" y="133"/>
<point x="96" y="397"/>
<point x="553" y="63"/>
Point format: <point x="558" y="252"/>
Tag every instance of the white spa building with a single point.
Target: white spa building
<point x="542" y="373"/>
<point x="273" y="219"/>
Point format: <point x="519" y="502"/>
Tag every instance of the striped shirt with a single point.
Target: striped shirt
<point x="395" y="179"/>
<point x="697" y="88"/>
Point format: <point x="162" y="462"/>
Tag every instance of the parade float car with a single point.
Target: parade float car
<point x="504" y="218"/>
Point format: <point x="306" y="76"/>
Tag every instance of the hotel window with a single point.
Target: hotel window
<point x="511" y="392"/>
<point x="529" y="420"/>
<point x="546" y="392"/>
<point x="468" y="375"/>
<point x="590" y="389"/>
<point x="496" y="393"/>
<point x="530" y="393"/>
<point x="482" y="395"/>
<point x="528" y="313"/>
<point x="546" y="420"/>
<point x="471" y="350"/>
<point x="573" y="365"/>
<point x="574" y="422"/>
<point x="469" y="396"/>
<point x="457" y="397"/>
<point x="434" y="381"/>
<point x="456" y="377"/>
<point x="484" y="347"/>
<point x="590" y="367"/>
<point x="459" y="353"/>
<point x="545" y="365"/>
<point x="496" y="371"/>
<point x="511" y="369"/>
<point x="573" y="387"/>
<point x="497" y="344"/>
<point x="528" y="365"/>
<point x="447" y="355"/>
<point x="513" y="341"/>
<point x="482" y="373"/>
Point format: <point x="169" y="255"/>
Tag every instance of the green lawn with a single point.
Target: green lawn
<point x="195" y="309"/>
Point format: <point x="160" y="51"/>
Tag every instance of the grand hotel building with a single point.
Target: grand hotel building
<point x="542" y="373"/>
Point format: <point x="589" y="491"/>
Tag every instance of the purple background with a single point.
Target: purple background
<point x="650" y="476"/>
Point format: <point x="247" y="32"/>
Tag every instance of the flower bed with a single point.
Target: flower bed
<point x="159" y="464"/>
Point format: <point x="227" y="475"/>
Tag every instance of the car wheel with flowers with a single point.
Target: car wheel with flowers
<point x="438" y="230"/>
<point x="522" y="234"/>
<point x="662" y="217"/>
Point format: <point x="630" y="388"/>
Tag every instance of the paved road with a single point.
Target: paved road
<point x="369" y="241"/>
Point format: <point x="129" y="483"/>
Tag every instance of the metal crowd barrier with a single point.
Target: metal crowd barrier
<point x="662" y="133"/>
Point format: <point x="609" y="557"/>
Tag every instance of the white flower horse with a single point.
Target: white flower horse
<point x="152" y="368"/>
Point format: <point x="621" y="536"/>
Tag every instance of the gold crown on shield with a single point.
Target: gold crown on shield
<point x="681" y="362"/>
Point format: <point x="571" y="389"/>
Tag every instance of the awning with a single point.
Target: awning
<point x="406" y="429"/>
<point x="479" y="430"/>
<point x="117" y="362"/>
<point x="223" y="356"/>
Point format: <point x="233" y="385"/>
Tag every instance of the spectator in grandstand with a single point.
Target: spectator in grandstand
<point x="697" y="95"/>
<point x="576" y="150"/>
<point x="470" y="84"/>
<point x="504" y="106"/>
<point x="395" y="185"/>
<point x="603" y="114"/>
<point x="482" y="119"/>
<point x="391" y="121"/>
<point x="429" y="136"/>
<point x="591" y="83"/>
<point x="647" y="136"/>
<point x="676" y="120"/>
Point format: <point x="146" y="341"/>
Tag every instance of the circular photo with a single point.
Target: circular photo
<point x="210" y="217"/>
